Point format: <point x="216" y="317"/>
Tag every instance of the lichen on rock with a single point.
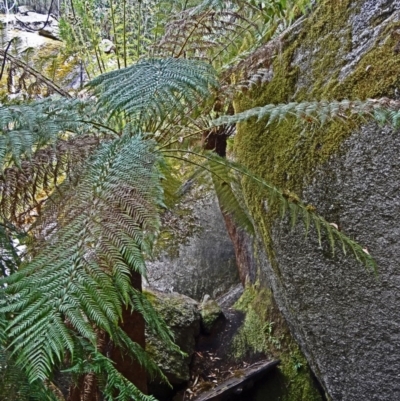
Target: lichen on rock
<point x="210" y="312"/>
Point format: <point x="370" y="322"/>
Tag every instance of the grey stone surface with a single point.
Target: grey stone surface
<point x="346" y="318"/>
<point x="183" y="318"/>
<point x="203" y="260"/>
<point x="366" y="23"/>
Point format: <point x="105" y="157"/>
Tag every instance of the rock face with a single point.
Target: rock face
<point x="41" y="6"/>
<point x="199" y="259"/>
<point x="345" y="318"/>
<point x="183" y="317"/>
<point x="210" y="312"/>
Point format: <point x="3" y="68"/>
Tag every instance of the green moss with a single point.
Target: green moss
<point x="210" y="311"/>
<point x="287" y="154"/>
<point x="264" y="330"/>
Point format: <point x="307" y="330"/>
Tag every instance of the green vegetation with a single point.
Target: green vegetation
<point x="265" y="331"/>
<point x="295" y="147"/>
<point x="84" y="183"/>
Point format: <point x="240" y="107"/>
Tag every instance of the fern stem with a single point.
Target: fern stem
<point x="358" y="251"/>
<point x="124" y="33"/>
<point x="115" y="32"/>
<point x="139" y="28"/>
<point x="190" y="35"/>
<point x="198" y="165"/>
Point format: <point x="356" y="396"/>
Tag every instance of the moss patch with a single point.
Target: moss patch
<point x="309" y="68"/>
<point x="265" y="331"/>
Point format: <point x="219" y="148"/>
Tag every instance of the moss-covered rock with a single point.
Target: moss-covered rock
<point x="182" y="316"/>
<point x="265" y="331"/>
<point x="210" y="312"/>
<point x="341" y="315"/>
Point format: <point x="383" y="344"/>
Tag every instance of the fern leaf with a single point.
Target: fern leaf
<point x="225" y="185"/>
<point x="117" y="205"/>
<point x="33" y="126"/>
<point x="154" y="89"/>
<point x="289" y="203"/>
<point x="383" y="110"/>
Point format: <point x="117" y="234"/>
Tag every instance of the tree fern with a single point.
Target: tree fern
<point x="382" y="110"/>
<point x="104" y="185"/>
<point x="154" y="89"/>
<point x="82" y="276"/>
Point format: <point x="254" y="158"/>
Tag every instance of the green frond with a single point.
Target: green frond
<point x="154" y="323"/>
<point x="383" y="110"/>
<point x="25" y="128"/>
<point x="226" y="187"/>
<point x="14" y="385"/>
<point x="25" y="189"/>
<point x="73" y="278"/>
<point x="287" y="203"/>
<point x="110" y="381"/>
<point x="155" y="89"/>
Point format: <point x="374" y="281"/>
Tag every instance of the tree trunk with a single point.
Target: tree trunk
<point x="134" y="326"/>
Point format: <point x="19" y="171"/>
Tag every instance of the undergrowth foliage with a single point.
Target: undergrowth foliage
<point x="83" y="185"/>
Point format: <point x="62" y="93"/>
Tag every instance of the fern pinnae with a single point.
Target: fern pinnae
<point x="77" y="286"/>
<point x="384" y="110"/>
<point x="293" y="204"/>
<point x="152" y="88"/>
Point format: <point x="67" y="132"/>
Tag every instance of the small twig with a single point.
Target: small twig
<point x="3" y="64"/>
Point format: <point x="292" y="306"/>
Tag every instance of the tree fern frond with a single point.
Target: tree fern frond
<point x="290" y="203"/>
<point x="14" y="385"/>
<point x="73" y="277"/>
<point x="225" y="185"/>
<point x="201" y="33"/>
<point x="112" y="381"/>
<point x="154" y="89"/>
<point x="384" y="110"/>
<point x="25" y="189"/>
<point x="10" y="258"/>
<point x="137" y="353"/>
<point x="28" y="127"/>
<point x="154" y="323"/>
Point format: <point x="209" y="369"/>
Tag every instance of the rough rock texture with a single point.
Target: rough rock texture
<point x="345" y="318"/>
<point x="183" y="318"/>
<point x="210" y="311"/>
<point x="199" y="259"/>
<point x="42" y="6"/>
